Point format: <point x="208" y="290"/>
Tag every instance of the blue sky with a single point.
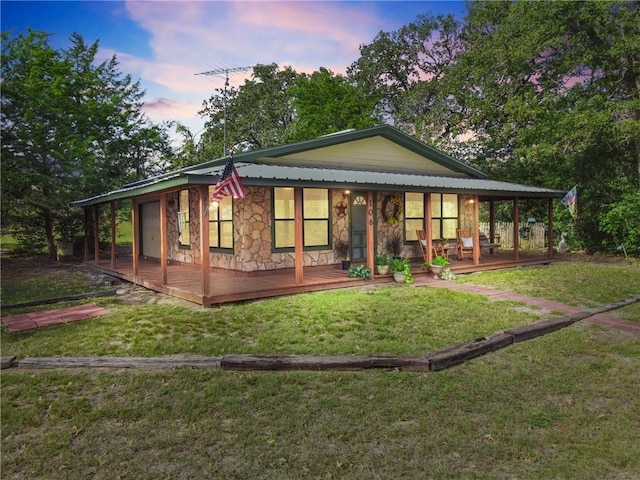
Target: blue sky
<point x="165" y="43"/>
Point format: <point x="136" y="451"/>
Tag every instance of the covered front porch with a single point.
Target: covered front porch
<point x="185" y="280"/>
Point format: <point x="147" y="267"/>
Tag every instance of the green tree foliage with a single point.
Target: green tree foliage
<point x="552" y="92"/>
<point x="71" y="128"/>
<point x="258" y="115"/>
<point x="277" y="106"/>
<point x="547" y="93"/>
<point x="405" y="71"/>
<point x="326" y="103"/>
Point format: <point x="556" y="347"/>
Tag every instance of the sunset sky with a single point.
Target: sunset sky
<point x="165" y="43"/>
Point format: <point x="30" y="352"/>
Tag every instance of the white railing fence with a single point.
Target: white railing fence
<point x="532" y="235"/>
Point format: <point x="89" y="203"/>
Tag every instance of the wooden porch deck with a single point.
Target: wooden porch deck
<point x="184" y="280"/>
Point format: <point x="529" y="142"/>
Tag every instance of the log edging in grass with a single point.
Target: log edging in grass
<point x="445" y="358"/>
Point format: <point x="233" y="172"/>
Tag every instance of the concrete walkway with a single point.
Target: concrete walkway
<point x="602" y="320"/>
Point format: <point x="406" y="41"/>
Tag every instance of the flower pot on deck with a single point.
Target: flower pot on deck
<point x="399" y="277"/>
<point x="383" y="269"/>
<point x="436" y="270"/>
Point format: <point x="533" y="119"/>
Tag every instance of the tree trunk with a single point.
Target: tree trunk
<point x="48" y="230"/>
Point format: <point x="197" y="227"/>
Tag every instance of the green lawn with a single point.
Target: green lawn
<point x="560" y="406"/>
<point x="579" y="283"/>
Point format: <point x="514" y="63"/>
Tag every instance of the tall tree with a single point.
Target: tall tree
<point x="257" y="115"/>
<point x="405" y="72"/>
<point x="71" y="128"/>
<point x="552" y="92"/>
<point x="326" y="103"/>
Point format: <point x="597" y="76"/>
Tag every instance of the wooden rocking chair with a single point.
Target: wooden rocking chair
<point x="464" y="243"/>
<point x="436" y="247"/>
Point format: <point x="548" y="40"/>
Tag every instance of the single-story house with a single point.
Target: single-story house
<point x="359" y="186"/>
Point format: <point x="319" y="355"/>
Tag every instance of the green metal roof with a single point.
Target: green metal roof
<point x="254" y="171"/>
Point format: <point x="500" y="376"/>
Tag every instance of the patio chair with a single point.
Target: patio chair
<point x="436" y="247"/>
<point x="464" y="243"/>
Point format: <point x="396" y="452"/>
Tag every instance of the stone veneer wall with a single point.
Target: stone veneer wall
<point x="465" y="211"/>
<point x="175" y="252"/>
<point x="385" y="231"/>
<point x="253" y="233"/>
<point x="253" y="237"/>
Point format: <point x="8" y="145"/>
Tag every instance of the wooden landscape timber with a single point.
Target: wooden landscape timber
<point x="440" y="360"/>
<point x="308" y="362"/>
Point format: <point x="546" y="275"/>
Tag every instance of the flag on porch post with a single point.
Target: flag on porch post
<point x="571" y="201"/>
<point x="229" y="182"/>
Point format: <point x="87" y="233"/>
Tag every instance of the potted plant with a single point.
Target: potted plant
<point x="359" y="271"/>
<point x="382" y="263"/>
<point x="343" y="249"/>
<point x="437" y="264"/>
<point x="401" y="270"/>
<point x="394" y="245"/>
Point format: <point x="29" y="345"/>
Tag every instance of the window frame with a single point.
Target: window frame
<point x="275" y="221"/>
<point x="187" y="221"/>
<point x="218" y="224"/>
<point x="421" y="218"/>
<point x="440" y="218"/>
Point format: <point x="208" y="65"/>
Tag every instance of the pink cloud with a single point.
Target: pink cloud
<point x="196" y="36"/>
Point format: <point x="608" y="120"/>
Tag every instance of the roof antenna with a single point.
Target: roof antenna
<point x="226" y="71"/>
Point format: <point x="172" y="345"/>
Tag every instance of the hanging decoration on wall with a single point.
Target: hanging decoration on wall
<point x="341" y="209"/>
<point x="391" y="209"/>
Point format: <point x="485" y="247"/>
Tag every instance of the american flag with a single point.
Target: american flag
<point x="571" y="201"/>
<point x="229" y="182"/>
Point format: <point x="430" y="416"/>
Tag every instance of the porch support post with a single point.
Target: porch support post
<point x="516" y="228"/>
<point x="476" y="230"/>
<point x="298" y="237"/>
<point x="96" y="232"/>
<point x="550" y="229"/>
<point x="204" y="239"/>
<point x="492" y="223"/>
<point x="87" y="215"/>
<point x="135" y="229"/>
<point x="428" y="228"/>
<point x="113" y="235"/>
<point x="163" y="239"/>
<point x="370" y="244"/>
